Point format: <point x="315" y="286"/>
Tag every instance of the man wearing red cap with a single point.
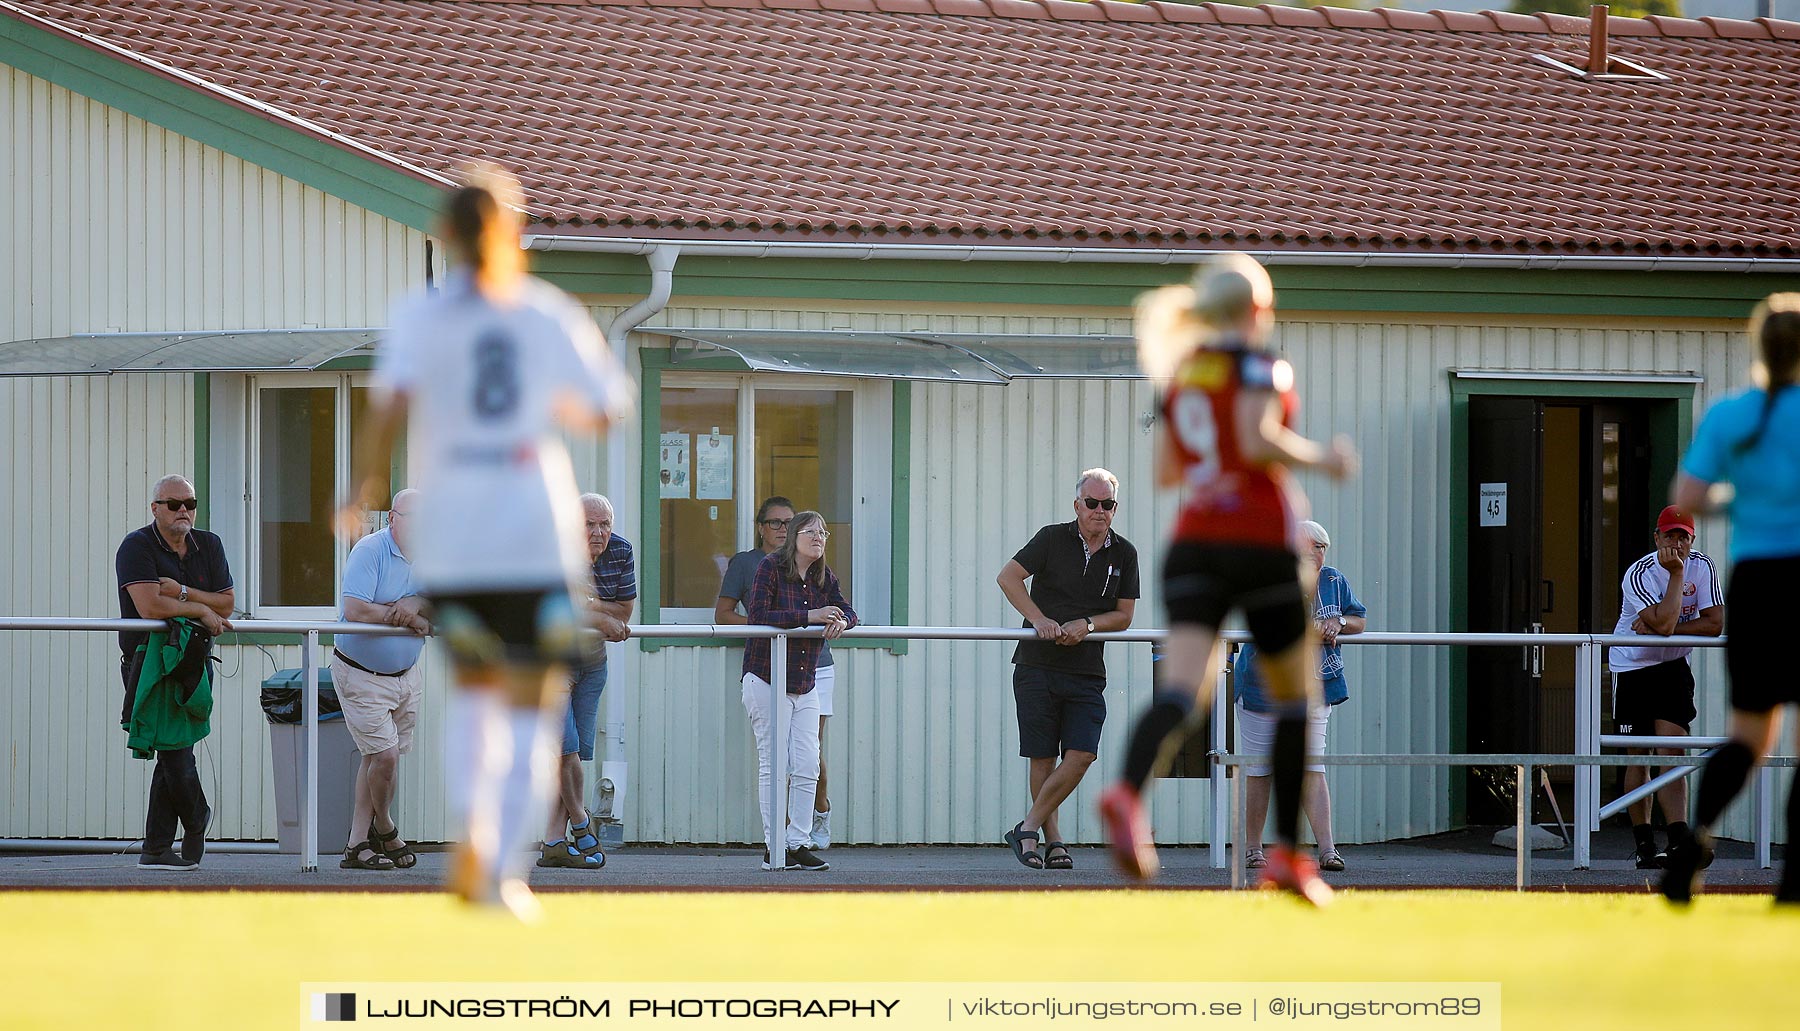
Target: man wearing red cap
<point x="1672" y="590"/>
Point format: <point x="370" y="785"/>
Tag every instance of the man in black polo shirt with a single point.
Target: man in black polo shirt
<point x="1084" y="580"/>
<point x="170" y="569"/>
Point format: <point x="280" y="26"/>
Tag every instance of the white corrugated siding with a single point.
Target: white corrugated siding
<point x="108" y="223"/>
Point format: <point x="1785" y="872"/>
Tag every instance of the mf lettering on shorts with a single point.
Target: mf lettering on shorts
<point x="694" y="1009"/>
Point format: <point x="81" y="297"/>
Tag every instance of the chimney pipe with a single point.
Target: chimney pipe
<point x="1598" y="61"/>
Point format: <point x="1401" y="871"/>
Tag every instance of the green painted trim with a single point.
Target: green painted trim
<point x="205" y="117"/>
<point x="1665" y="448"/>
<point x="202" y="387"/>
<point x="1331" y="288"/>
<point x="900" y="521"/>
<point x="892" y="644"/>
<point x="649" y="491"/>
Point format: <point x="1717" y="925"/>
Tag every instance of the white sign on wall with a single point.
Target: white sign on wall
<point x="1493" y="504"/>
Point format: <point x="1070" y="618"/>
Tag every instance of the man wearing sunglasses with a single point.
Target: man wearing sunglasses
<point x="169" y="569"/>
<point x="1084" y="580"/>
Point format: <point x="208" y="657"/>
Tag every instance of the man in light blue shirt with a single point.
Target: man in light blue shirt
<point x="377" y="680"/>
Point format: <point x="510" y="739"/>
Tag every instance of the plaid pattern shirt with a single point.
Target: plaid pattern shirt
<point x="614" y="578"/>
<point x="774" y="600"/>
<point x="614" y="572"/>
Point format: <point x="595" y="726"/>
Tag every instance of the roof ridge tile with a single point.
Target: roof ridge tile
<point x="1466" y="21"/>
<point x="1567" y="24"/>
<point x="1185" y="14"/>
<point x="1732" y="28"/>
<point x="1399" y="19"/>
<point x="1232" y="14"/>
<point x="1073" y="10"/>
<point x="962" y="8"/>
<point x="1296" y="17"/>
<point x="1119" y="10"/>
<point x="1681" y="26"/>
<point x="1780" y="28"/>
<point x="1352" y="18"/>
<point x="1507" y="21"/>
<point x="1018" y="9"/>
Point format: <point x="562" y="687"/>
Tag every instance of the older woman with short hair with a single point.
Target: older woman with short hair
<point x="1336" y="613"/>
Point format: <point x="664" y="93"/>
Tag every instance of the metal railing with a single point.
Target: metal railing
<point x="1227" y="804"/>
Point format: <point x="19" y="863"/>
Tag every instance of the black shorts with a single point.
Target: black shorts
<point x="1664" y="691"/>
<point x="1756" y="629"/>
<point x="487" y="628"/>
<point x="1203" y="583"/>
<point x="1058" y="711"/>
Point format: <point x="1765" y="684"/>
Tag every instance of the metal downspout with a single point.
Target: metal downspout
<point x="613" y="779"/>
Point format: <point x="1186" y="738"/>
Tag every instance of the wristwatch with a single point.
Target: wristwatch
<point x="183" y="595"/>
<point x="1343" y="621"/>
<point x="1090" y="624"/>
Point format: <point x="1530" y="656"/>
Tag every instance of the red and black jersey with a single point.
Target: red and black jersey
<point x="1229" y="499"/>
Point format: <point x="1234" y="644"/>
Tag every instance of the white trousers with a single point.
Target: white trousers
<point x="802" y="753"/>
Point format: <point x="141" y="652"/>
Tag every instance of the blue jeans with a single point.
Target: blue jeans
<point x="583" y="717"/>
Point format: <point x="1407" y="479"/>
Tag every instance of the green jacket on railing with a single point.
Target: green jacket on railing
<point x="173" y="707"/>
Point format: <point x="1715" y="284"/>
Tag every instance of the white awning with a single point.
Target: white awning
<point x="946" y="357"/>
<point x="242" y="350"/>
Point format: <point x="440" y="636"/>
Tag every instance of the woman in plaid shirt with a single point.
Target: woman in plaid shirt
<point x="793" y="588"/>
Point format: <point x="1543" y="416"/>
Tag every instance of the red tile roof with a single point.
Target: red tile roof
<point x="1038" y="121"/>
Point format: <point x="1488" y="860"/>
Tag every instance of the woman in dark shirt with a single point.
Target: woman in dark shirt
<point x="793" y="588"/>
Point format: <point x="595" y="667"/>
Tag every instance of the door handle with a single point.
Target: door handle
<point x="1549" y="595"/>
<point x="1535" y="655"/>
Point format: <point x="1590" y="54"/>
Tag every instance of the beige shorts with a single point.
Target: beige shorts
<point x="1256" y="736"/>
<point x="381" y="712"/>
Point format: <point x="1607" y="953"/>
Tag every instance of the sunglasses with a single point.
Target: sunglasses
<point x="778" y="524"/>
<point x="1105" y="503"/>
<point x="177" y="504"/>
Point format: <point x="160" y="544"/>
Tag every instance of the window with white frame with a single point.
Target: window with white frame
<point x="302" y="432"/>
<point x="728" y="441"/>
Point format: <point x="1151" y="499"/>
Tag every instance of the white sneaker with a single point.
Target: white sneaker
<point x="821" y="832"/>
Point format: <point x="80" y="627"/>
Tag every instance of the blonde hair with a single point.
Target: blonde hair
<point x="1173" y="320"/>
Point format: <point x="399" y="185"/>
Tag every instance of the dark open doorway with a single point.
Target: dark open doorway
<point x="1559" y="488"/>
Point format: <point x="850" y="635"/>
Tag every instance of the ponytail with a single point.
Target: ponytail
<point x="1775" y="329"/>
<point x="481" y="221"/>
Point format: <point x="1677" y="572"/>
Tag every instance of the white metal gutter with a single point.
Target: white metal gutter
<point x="1145" y="256"/>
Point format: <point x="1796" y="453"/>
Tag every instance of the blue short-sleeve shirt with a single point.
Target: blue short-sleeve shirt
<point x="377" y="573"/>
<point x="1335" y="599"/>
<point x="1765" y="514"/>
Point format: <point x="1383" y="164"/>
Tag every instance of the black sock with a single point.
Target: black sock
<point x="1289" y="769"/>
<point x="1644" y="836"/>
<point x="1159" y="732"/>
<point x="1720" y="781"/>
<point x="1679" y="833"/>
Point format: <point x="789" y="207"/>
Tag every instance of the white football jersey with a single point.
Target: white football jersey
<point x="498" y="507"/>
<point x="1643" y="586"/>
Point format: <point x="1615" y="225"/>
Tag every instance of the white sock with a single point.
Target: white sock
<point x="525" y="793"/>
<point x="475" y="750"/>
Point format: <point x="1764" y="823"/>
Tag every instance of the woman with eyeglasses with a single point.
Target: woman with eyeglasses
<point x="793" y="588"/>
<point x="1746" y="458"/>
<point x="485" y="370"/>
<point x="1227" y="409"/>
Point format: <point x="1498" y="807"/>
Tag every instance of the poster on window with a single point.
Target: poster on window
<point x="675" y="453"/>
<point x="712" y="466"/>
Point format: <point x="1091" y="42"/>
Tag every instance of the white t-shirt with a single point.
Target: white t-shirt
<point x="1644" y="585"/>
<point x="498" y="507"/>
